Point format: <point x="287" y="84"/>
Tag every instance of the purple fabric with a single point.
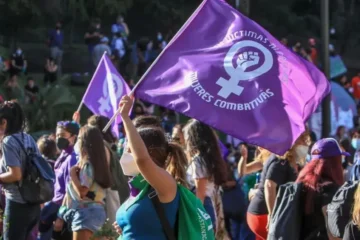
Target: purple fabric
<point x="327" y="147"/>
<point x="224" y="150"/>
<point x="225" y="70"/>
<point x="103" y="98"/>
<point x="63" y="164"/>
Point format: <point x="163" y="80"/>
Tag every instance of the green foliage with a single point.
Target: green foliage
<point x="106" y="232"/>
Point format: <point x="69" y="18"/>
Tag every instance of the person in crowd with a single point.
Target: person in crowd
<point x="314" y="53"/>
<point x="66" y="134"/>
<point x="348" y="161"/>
<point x="31" y="90"/>
<point x="306" y="54"/>
<point x="161" y="43"/>
<point x="147" y="121"/>
<point x="355" y="84"/>
<point x="352" y="230"/>
<point x="354" y="170"/>
<point x="56" y="41"/>
<point x="340" y="133"/>
<point x="296" y="48"/>
<point x="100" y="49"/>
<point x="19" y="217"/>
<point x="178" y="135"/>
<point x="118" y="44"/>
<point x="257" y="165"/>
<point x="149" y="159"/>
<point x="50" y="71"/>
<point x="12" y="89"/>
<point x="207" y="171"/>
<point x="93" y="35"/>
<point x="119" y="190"/>
<point x="285" y="42"/>
<point x="346" y="84"/>
<point x="321" y="178"/>
<point x="168" y="118"/>
<point x="120" y="27"/>
<point x="276" y="171"/>
<point x="18" y="63"/>
<point x="83" y="208"/>
<point x="138" y="110"/>
<point x="47" y="148"/>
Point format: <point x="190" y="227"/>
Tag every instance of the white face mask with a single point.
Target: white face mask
<point x="355" y="143"/>
<point x="128" y="165"/>
<point x="301" y="152"/>
<point x="77" y="148"/>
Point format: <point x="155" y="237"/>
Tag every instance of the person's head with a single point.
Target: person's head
<point x="167" y="155"/>
<point x="138" y="110"/>
<point x="312" y="42"/>
<point x="178" y="135"/>
<point x="100" y="122"/>
<point x="147" y="121"/>
<point x="356" y="208"/>
<point x="355" y="142"/>
<point x="159" y="36"/>
<point x="92" y="149"/>
<point x="47" y="146"/>
<point x="324" y="168"/>
<point x="297" y="153"/>
<point x="97" y="23"/>
<point x="201" y="140"/>
<point x="18" y="51"/>
<point x="104" y="40"/>
<point x="58" y="25"/>
<point x="284" y="41"/>
<point x="31" y="82"/>
<point x="340" y="132"/>
<point x="120" y="19"/>
<point x="343" y="79"/>
<point x="12" y="118"/>
<point x="66" y="134"/>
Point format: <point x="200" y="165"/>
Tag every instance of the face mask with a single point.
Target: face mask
<point x="355" y="143"/>
<point x="18" y="52"/>
<point x="128" y="165"/>
<point x="77" y="148"/>
<point x="62" y="143"/>
<point x="301" y="151"/>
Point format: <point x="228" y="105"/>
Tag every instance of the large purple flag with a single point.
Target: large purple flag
<point x="224" y="69"/>
<point x="103" y="98"/>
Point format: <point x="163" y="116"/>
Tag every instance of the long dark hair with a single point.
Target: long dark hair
<point x="167" y="155"/>
<point x="100" y="122"/>
<point x="12" y="112"/>
<point x="93" y="150"/>
<point x="201" y="140"/>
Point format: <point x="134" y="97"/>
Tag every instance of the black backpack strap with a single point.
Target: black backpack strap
<point x="168" y="230"/>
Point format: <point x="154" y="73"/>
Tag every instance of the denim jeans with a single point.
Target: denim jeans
<point x="19" y="220"/>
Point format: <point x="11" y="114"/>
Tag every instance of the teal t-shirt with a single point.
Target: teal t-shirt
<point x="141" y="222"/>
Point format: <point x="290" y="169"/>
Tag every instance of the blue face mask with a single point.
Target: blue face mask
<point x="355" y="143"/>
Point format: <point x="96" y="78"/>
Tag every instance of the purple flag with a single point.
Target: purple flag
<point x="224" y="69"/>
<point x="224" y="150"/>
<point x="103" y="98"/>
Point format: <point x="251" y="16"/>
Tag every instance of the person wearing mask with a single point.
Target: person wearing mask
<point x="354" y="170"/>
<point x="47" y="148"/>
<point x="93" y="35"/>
<point x="66" y="134"/>
<point x="207" y="171"/>
<point x="19" y="217"/>
<point x="352" y="230"/>
<point x="18" y="63"/>
<point x="119" y="191"/>
<point x="276" y="171"/>
<point x="83" y="208"/>
<point x="321" y="178"/>
<point x="149" y="160"/>
<point x="50" y="71"/>
<point x="56" y="41"/>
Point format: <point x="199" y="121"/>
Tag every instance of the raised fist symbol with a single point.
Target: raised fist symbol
<point x="247" y="59"/>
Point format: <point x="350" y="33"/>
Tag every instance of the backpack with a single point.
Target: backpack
<point x="119" y="180"/>
<point x="286" y="219"/>
<point x="339" y="210"/>
<point x="234" y="203"/>
<point x="37" y="184"/>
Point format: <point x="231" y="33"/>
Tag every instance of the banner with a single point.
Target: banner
<point x="225" y="70"/>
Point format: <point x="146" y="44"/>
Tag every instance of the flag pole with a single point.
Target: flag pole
<point x="92" y="78"/>
<point x="156" y="60"/>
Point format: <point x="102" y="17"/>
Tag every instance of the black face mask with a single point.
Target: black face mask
<point x="62" y="143"/>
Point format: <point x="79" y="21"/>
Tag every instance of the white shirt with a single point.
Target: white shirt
<point x="197" y="170"/>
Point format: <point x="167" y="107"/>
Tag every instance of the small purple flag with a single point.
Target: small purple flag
<point x="103" y="98"/>
<point x="224" y="69"/>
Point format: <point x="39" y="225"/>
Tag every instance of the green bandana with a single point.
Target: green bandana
<point x="193" y="223"/>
